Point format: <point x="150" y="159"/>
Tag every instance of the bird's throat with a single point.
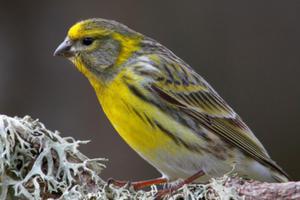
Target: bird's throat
<point x="95" y="81"/>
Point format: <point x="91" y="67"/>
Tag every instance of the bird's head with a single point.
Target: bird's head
<point x="98" y="46"/>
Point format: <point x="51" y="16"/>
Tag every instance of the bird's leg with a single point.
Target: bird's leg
<point x="142" y="184"/>
<point x="137" y="185"/>
<point x="190" y="179"/>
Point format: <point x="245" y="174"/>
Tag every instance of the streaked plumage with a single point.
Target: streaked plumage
<point x="162" y="108"/>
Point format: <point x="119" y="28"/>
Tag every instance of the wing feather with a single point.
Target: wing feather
<point x="181" y="87"/>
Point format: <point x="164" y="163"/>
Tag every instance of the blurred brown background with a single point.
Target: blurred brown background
<point x="248" y="50"/>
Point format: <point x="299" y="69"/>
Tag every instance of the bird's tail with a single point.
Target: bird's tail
<point x="280" y="177"/>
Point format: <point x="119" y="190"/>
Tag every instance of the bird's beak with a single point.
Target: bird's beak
<point x="64" y="49"/>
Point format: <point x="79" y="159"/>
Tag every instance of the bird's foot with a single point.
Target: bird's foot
<point x="162" y="193"/>
<point x="137" y="185"/>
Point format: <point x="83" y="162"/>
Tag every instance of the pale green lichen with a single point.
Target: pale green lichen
<point x="36" y="163"/>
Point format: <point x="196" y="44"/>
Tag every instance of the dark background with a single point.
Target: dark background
<point x="248" y="50"/>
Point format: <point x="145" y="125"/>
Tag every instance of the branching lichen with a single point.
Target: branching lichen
<point x="36" y="162"/>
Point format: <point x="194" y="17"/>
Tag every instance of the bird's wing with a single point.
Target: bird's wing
<point x="182" y="88"/>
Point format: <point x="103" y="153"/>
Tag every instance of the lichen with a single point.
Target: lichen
<point x="36" y="163"/>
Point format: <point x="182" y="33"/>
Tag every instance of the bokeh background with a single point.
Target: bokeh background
<point x="248" y="50"/>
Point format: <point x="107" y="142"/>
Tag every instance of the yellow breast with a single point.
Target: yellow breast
<point x="127" y="113"/>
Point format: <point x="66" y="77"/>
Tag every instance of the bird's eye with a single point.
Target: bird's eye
<point x="87" y="41"/>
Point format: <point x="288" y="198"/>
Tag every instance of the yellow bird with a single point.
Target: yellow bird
<point x="162" y="108"/>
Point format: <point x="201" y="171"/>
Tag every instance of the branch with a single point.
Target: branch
<point x="36" y="163"/>
<point x="257" y="190"/>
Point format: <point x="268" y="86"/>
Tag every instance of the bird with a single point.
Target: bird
<point x="163" y="109"/>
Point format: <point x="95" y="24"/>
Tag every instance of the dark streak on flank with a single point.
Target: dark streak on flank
<point x="179" y="141"/>
<point x="138" y="114"/>
<point x="127" y="106"/>
<point x="140" y="95"/>
<point x="167" y="132"/>
<point x="149" y="121"/>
